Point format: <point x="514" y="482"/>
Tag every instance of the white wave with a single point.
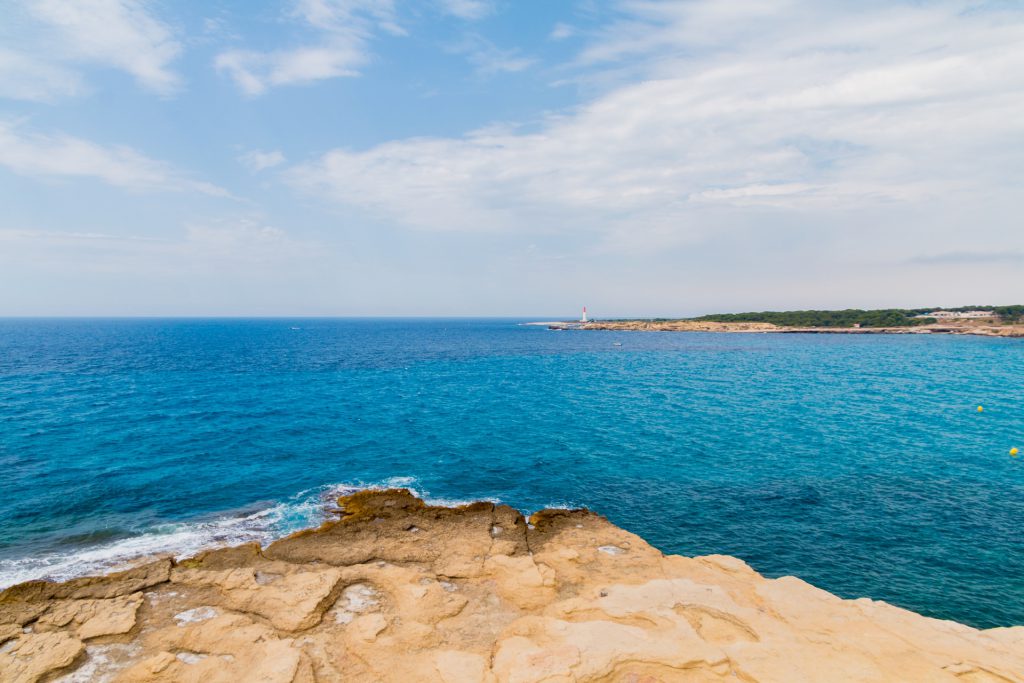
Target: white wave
<point x="304" y="510"/>
<point x="456" y="502"/>
<point x="407" y="483"/>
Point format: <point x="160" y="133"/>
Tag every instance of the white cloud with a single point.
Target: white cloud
<point x="799" y="106"/>
<point x="255" y="72"/>
<point x="470" y="10"/>
<point x="216" y="266"/>
<point x="241" y="239"/>
<point x="60" y="155"/>
<point x="561" y="32"/>
<point x="23" y="77"/>
<point x="120" y="34"/>
<point x="258" y="160"/>
<point x="345" y="16"/>
<point x="488" y="59"/>
<point x="969" y="258"/>
<point x="753" y="192"/>
<point x="69" y="238"/>
<point x="343" y="30"/>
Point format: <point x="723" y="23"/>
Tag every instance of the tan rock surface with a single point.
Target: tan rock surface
<point x="92" y="618"/>
<point x="290" y="600"/>
<point x="9" y="631"/>
<point x="401" y="591"/>
<point x="32" y="656"/>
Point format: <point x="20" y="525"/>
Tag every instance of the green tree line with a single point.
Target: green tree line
<point x="889" y="317"/>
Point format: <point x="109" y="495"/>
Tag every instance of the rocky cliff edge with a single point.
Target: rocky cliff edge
<point x="397" y="590"/>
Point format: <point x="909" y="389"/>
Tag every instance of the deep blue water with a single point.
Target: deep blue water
<point x="858" y="463"/>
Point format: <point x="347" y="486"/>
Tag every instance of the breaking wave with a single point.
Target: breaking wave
<point x="306" y="509"/>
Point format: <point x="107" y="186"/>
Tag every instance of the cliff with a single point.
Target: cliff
<point x="400" y="591"/>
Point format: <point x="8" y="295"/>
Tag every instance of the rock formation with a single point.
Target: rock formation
<point x="400" y="591"/>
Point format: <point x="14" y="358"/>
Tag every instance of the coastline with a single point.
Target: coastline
<point x="963" y="328"/>
<point x="399" y="590"/>
<point x="263" y="523"/>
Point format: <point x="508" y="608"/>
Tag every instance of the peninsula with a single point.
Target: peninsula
<point x="990" y="321"/>
<point x="397" y="590"/>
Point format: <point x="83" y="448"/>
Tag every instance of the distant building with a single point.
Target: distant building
<point x="957" y="315"/>
<point x="584" y="318"/>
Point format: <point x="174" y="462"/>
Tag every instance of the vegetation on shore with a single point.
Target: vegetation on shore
<point x="890" y="317"/>
<point x="846" y="318"/>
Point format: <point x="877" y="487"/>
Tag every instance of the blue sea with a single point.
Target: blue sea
<point x="858" y="463"/>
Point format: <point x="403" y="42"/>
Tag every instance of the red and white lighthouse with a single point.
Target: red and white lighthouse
<point x="584" y="318"/>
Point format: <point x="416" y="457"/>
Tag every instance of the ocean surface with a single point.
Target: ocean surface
<point x="858" y="463"/>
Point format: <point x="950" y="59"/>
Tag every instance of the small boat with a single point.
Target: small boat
<point x="616" y="343"/>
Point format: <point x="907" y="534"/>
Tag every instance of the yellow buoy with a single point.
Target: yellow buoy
<point x="980" y="409"/>
<point x="1014" y="451"/>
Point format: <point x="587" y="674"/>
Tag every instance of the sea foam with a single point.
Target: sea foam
<point x="306" y="509"/>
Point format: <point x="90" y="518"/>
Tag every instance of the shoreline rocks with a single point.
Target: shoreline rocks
<point x="967" y="327"/>
<point x="397" y="590"/>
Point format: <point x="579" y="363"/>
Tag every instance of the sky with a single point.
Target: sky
<point x="508" y="157"/>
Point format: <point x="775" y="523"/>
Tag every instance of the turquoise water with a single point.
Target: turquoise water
<point x="858" y="463"/>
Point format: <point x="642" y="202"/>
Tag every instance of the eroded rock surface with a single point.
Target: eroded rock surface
<point x="92" y="618"/>
<point x="400" y="591"/>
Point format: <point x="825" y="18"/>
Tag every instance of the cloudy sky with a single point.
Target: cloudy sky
<point x="508" y="157"/>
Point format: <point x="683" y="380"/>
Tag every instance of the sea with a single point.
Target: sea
<point x="859" y="463"/>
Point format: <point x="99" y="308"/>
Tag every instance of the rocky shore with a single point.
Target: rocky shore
<point x="984" y="329"/>
<point x="396" y="590"/>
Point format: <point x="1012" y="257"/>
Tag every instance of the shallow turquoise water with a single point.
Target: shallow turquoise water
<point x="858" y="463"/>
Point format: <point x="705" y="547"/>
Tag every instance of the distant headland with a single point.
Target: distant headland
<point x="992" y="321"/>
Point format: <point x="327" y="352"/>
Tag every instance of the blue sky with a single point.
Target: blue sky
<point x="474" y="157"/>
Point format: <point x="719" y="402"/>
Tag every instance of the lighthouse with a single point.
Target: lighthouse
<point x="584" y="318"/>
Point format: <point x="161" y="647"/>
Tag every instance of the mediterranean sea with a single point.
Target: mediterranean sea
<point x="858" y="463"/>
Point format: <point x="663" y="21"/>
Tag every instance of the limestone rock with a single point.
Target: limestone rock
<point x="394" y="526"/>
<point x="399" y="591"/>
<point x="229" y="648"/>
<point x="93" y="618"/>
<point x="291" y="602"/>
<point x="33" y="655"/>
<point x="8" y="632"/>
<point x="91" y="587"/>
<point x="455" y="666"/>
<point x="20" y="612"/>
